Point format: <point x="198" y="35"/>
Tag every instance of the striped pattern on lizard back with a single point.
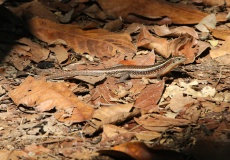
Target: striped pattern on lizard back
<point x="150" y="71"/>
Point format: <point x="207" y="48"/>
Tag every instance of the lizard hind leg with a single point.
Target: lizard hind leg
<point x="123" y="78"/>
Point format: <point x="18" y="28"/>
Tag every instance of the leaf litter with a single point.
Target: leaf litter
<point x="85" y="117"/>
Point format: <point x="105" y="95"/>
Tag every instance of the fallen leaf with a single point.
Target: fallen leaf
<point x="207" y="22"/>
<point x="185" y="45"/>
<point x="60" y="53"/>
<point x="111" y="131"/>
<point x="220" y="34"/>
<point x="96" y="42"/>
<point x="147" y="135"/>
<point x="102" y="93"/>
<point x="110" y="115"/>
<point x="37" y="149"/>
<point x="34" y="9"/>
<point x="38" y="53"/>
<point x="175" y="32"/>
<point x="13" y="155"/>
<point x="160" y="121"/>
<point x="160" y="45"/>
<point x="179" y="14"/>
<point x="113" y="114"/>
<point x="214" y="2"/>
<point x="140" y="151"/>
<point x="150" y="96"/>
<point x="224" y="50"/>
<point x="178" y="101"/>
<point x="54" y="95"/>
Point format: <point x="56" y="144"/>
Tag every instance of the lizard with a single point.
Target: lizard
<point x="126" y="71"/>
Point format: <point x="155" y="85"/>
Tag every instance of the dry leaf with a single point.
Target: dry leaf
<point x="179" y="14"/>
<point x="140" y="151"/>
<point x="175" y="32"/>
<point x="60" y="53"/>
<point x="96" y="42"/>
<point x="34" y="9"/>
<point x="160" y="121"/>
<point x="39" y="150"/>
<point x="206" y="23"/>
<point x="160" y="45"/>
<point x="183" y="101"/>
<point x="150" y="96"/>
<point x="185" y="44"/>
<point x="37" y="52"/>
<point x="214" y="2"/>
<point x="44" y="96"/>
<point x="111" y="132"/>
<point x="220" y="34"/>
<point x="147" y="135"/>
<point x="223" y="51"/>
<point x="110" y="115"/>
<point x="13" y="155"/>
<point x="102" y="93"/>
<point x="113" y="114"/>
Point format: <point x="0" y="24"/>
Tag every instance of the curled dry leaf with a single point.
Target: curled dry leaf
<point x="185" y="44"/>
<point x="96" y="42"/>
<point x="110" y="115"/>
<point x="175" y="32"/>
<point x="160" y="45"/>
<point x="44" y="96"/>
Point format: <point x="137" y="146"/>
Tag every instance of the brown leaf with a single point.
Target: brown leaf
<point x="220" y="34"/>
<point x="140" y="151"/>
<point x="179" y="14"/>
<point x="97" y="42"/>
<point x="160" y="121"/>
<point x="111" y="131"/>
<point x="13" y="155"/>
<point x="185" y="45"/>
<point x="44" y="96"/>
<point x="37" y="149"/>
<point x="214" y="2"/>
<point x="160" y="45"/>
<point x="150" y="96"/>
<point x="102" y="93"/>
<point x="183" y="101"/>
<point x="175" y="32"/>
<point x="38" y="53"/>
<point x="60" y="52"/>
<point x="34" y="9"/>
<point x="110" y="115"/>
<point x="147" y="135"/>
<point x="223" y="53"/>
<point x="113" y="114"/>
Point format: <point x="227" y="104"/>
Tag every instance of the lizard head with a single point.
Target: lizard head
<point x="178" y="60"/>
